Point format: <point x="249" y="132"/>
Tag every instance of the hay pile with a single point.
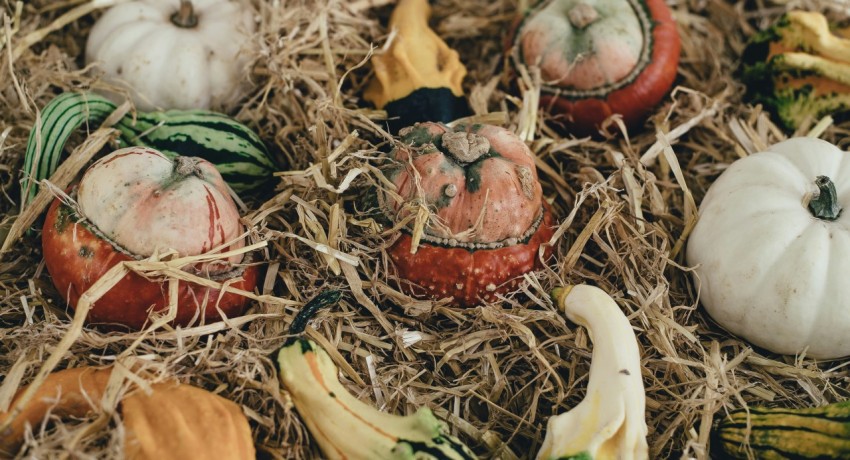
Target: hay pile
<point x="496" y="372"/>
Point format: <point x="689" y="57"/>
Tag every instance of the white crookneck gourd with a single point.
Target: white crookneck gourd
<point x="771" y="249"/>
<point x="346" y="428"/>
<point x="610" y="422"/>
<point x="174" y="54"/>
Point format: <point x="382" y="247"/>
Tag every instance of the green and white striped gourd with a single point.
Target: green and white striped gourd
<point x="236" y="151"/>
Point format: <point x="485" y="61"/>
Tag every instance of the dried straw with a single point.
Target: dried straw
<point x="495" y="372"/>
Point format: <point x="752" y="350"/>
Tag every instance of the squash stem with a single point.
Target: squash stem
<point x="825" y="204"/>
<point x="185" y="17"/>
<point x="186" y="166"/>
<point x="324" y="299"/>
<point x="582" y="15"/>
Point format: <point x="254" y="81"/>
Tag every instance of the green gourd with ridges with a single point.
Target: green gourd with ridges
<point x="235" y="150"/>
<point x="779" y="433"/>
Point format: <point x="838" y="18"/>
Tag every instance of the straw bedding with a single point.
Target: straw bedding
<point x="495" y="372"/>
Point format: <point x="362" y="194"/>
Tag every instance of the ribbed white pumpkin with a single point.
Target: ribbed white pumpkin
<point x="170" y="66"/>
<point x="768" y="270"/>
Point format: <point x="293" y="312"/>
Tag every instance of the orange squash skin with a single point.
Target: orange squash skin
<point x="76" y="258"/>
<point x="584" y="116"/>
<point x="469" y="276"/>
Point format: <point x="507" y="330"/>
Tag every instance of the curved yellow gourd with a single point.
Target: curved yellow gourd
<point x="609" y="424"/>
<point x="347" y="428"/>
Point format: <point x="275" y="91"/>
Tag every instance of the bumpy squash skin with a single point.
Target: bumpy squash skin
<point x="634" y="101"/>
<point x="76" y="258"/>
<point x="469" y="276"/>
<point x="501" y="183"/>
<point x="798" y="70"/>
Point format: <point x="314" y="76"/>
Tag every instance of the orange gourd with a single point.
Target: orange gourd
<point x="173" y="421"/>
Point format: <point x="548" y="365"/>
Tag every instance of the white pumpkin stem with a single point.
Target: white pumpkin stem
<point x="582" y="15"/>
<point x="824" y="205"/>
<point x="185" y="17"/>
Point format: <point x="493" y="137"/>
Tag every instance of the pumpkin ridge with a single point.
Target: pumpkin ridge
<point x="145" y="14"/>
<point x="827" y="263"/>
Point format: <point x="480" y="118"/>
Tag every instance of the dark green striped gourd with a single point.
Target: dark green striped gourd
<point x="236" y="151"/>
<point x="820" y="432"/>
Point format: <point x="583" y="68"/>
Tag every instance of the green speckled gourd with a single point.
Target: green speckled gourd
<point x="235" y="150"/>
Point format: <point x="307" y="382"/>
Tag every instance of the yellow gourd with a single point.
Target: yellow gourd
<point x="419" y="77"/>
<point x="609" y="424"/>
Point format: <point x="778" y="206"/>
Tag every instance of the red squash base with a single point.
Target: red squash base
<point x="437" y="272"/>
<point x="76" y="258"/>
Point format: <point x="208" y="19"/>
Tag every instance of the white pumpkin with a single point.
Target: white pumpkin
<point x="768" y="269"/>
<point x="174" y="54"/>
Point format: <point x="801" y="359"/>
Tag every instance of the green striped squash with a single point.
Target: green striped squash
<point x="821" y="432"/>
<point x="236" y="151"/>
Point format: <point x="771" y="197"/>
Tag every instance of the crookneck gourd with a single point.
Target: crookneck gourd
<point x="798" y="69"/>
<point x="174" y="54"/>
<point x="346" y="428"/>
<point x="477" y="219"/>
<point x="610" y="422"/>
<point x="419" y="77"/>
<point x="136" y="202"/>
<point x="173" y="421"/>
<point x="598" y="58"/>
<point x="236" y="151"/>
<point x="770" y="249"/>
